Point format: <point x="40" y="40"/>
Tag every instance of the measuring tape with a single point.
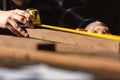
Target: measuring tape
<point x="37" y="22"/>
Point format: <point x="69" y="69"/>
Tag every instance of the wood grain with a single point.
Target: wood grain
<point x="24" y="43"/>
<point x="88" y="43"/>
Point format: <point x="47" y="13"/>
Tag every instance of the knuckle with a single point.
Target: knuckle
<point x="16" y="26"/>
<point x="13" y="30"/>
<point x="17" y="9"/>
<point x="19" y="29"/>
<point x="21" y="19"/>
<point x="23" y="12"/>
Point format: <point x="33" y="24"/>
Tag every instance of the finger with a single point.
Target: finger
<point x="9" y="27"/>
<point x="106" y="28"/>
<point x="102" y="30"/>
<point x="106" y="32"/>
<point x="23" y="20"/>
<point x="99" y="29"/>
<point x="80" y="29"/>
<point x="91" y="31"/>
<point x="25" y="14"/>
<point x="29" y="23"/>
<point x="17" y="28"/>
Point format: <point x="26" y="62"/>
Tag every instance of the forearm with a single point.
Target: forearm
<point x="77" y="17"/>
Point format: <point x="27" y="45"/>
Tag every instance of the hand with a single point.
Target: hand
<point x="96" y="27"/>
<point x="9" y="20"/>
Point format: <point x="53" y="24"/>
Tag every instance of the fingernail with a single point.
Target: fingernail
<point x="32" y="18"/>
<point x="26" y="35"/>
<point x="31" y="25"/>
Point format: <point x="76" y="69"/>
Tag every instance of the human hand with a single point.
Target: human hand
<point x="96" y="27"/>
<point x="9" y="20"/>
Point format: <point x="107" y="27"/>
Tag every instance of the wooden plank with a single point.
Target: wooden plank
<point x="25" y="43"/>
<point x="81" y="63"/>
<point x="76" y="50"/>
<point x="88" y="43"/>
<point x="35" y="44"/>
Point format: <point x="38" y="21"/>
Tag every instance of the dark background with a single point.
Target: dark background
<point x="51" y="11"/>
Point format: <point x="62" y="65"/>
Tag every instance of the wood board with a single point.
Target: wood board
<point x="90" y="44"/>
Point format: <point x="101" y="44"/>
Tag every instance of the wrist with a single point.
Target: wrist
<point x="87" y="22"/>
